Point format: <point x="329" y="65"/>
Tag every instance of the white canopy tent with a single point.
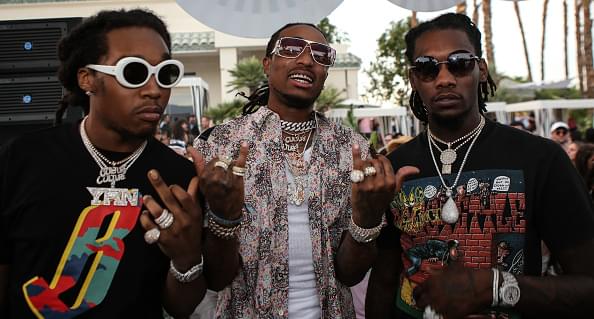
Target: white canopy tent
<point x="543" y="111"/>
<point x="385" y="115"/>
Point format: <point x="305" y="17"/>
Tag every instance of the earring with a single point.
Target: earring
<point x="89" y="93"/>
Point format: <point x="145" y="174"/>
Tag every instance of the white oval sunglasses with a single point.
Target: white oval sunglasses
<point x="134" y="72"/>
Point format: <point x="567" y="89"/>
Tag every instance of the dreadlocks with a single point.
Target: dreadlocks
<point x="260" y="96"/>
<point x="448" y="21"/>
<point x="87" y="43"/>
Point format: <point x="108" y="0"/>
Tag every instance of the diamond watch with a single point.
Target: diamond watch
<point x="509" y="293"/>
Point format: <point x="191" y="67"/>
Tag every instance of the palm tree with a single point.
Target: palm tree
<point x="224" y="111"/>
<point x="526" y="56"/>
<point x="565" y="39"/>
<point x="475" y="15"/>
<point x="542" y="42"/>
<point x="579" y="44"/>
<point x="413" y="20"/>
<point x="248" y="73"/>
<point x="461" y="7"/>
<point x="329" y="98"/>
<point x="488" y="34"/>
<point x="588" y="49"/>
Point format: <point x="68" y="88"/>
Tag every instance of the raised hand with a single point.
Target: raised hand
<point x="374" y="186"/>
<point x="222" y="182"/>
<point x="178" y="228"/>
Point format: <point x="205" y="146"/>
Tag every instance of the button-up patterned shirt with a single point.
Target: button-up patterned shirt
<point x="261" y="288"/>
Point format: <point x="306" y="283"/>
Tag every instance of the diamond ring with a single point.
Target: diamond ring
<point x="370" y="171"/>
<point x="165" y="220"/>
<point x="357" y="176"/>
<point x="152" y="236"/>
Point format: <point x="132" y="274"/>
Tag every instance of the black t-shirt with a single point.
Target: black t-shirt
<point x="515" y="190"/>
<point x="68" y="255"/>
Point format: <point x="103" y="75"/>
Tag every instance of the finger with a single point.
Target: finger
<point x="198" y="160"/>
<point x="389" y="177"/>
<point x="403" y="173"/>
<point x="154" y="209"/>
<point x="358" y="162"/>
<point x="186" y="200"/>
<point x="146" y="221"/>
<point x="193" y="188"/>
<point x="164" y="192"/>
<point x="243" y="153"/>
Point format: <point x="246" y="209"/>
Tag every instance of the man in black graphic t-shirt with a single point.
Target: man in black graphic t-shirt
<point x="464" y="235"/>
<point x="74" y="240"/>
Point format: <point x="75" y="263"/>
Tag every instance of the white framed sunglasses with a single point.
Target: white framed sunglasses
<point x="134" y="72"/>
<point x="289" y="47"/>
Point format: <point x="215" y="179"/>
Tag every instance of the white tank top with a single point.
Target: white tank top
<point x="304" y="301"/>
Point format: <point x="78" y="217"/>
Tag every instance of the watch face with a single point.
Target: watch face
<point x="511" y="294"/>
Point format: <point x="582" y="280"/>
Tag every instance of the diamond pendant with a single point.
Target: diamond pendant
<point x="296" y="194"/>
<point x="449" y="210"/>
<point x="446" y="169"/>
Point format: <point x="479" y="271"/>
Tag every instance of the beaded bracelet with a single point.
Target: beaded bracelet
<point x="189" y="275"/>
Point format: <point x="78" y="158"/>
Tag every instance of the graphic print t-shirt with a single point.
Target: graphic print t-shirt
<point x="76" y="248"/>
<point x="499" y="216"/>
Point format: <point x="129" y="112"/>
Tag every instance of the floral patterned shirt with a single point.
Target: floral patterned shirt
<point x="261" y="288"/>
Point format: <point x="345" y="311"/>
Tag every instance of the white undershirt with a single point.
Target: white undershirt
<point x="304" y="302"/>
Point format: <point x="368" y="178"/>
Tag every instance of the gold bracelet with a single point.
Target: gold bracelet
<point x="220" y="230"/>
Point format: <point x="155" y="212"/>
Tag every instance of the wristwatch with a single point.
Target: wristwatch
<point x="509" y="293"/>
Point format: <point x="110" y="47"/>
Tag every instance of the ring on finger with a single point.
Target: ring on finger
<point x="429" y="313"/>
<point x="238" y="171"/>
<point x="370" y="171"/>
<point x="151" y="236"/>
<point x="221" y="164"/>
<point x="357" y="176"/>
<point x="165" y="220"/>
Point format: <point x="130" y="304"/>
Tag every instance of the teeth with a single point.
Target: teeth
<point x="301" y="78"/>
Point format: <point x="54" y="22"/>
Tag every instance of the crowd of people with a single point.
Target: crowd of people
<point x="281" y="211"/>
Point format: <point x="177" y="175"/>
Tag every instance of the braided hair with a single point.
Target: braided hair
<point x="87" y="43"/>
<point x="260" y="96"/>
<point x="453" y="21"/>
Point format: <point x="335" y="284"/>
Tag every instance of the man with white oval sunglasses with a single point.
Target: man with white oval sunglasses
<point x="83" y="229"/>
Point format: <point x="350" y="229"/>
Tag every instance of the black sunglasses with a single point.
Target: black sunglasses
<point x="458" y="64"/>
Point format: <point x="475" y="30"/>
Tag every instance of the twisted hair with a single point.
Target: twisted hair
<point x="452" y="21"/>
<point x="87" y="43"/>
<point x="260" y="96"/>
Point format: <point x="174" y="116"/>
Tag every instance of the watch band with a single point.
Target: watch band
<point x="189" y="275"/>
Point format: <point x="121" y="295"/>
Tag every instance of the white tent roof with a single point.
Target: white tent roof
<point x="550" y="104"/>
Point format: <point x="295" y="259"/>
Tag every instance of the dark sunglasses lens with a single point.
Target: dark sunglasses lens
<point x="460" y="65"/>
<point x="322" y="53"/>
<point x="169" y="74"/>
<point x="426" y="69"/>
<point x="290" y="47"/>
<point x="135" y="73"/>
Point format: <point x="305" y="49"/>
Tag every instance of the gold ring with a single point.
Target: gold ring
<point x="221" y="164"/>
<point x="238" y="171"/>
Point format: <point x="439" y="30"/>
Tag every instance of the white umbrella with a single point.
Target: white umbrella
<point x="426" y="5"/>
<point x="256" y="18"/>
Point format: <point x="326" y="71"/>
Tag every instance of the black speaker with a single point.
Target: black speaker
<point x="32" y="45"/>
<point x="29" y="87"/>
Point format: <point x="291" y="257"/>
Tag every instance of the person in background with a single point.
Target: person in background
<point x="518" y="124"/>
<point x="193" y="126"/>
<point x="205" y="123"/>
<point x="584" y="163"/>
<point x="560" y="134"/>
<point x="82" y="231"/>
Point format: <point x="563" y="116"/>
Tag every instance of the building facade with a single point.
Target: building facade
<point x="205" y="52"/>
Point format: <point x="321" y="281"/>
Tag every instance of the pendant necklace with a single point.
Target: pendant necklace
<point x="295" y="159"/>
<point x="109" y="171"/>
<point x="448" y="156"/>
<point x="449" y="211"/>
